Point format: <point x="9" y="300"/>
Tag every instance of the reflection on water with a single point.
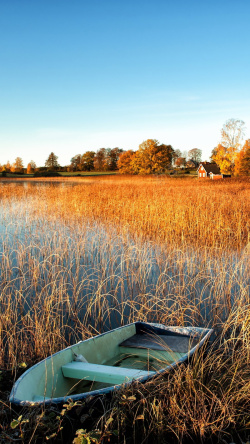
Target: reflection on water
<point x="87" y="273"/>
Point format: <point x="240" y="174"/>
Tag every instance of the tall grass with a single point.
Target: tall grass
<point x="200" y="212"/>
<point x="81" y="257"/>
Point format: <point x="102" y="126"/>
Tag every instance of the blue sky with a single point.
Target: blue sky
<point x="77" y="75"/>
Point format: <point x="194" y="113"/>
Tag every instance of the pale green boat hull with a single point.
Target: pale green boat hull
<point x="115" y="364"/>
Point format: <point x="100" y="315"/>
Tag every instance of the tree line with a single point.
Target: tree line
<point x="18" y="167"/>
<point x="152" y="157"/>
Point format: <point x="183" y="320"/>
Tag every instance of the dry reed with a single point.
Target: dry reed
<point x="87" y="255"/>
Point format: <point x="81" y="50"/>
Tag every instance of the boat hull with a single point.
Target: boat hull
<point x="137" y="351"/>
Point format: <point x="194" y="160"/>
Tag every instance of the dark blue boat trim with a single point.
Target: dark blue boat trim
<point x="141" y="327"/>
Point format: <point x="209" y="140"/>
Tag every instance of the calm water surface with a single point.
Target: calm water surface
<point x="106" y="278"/>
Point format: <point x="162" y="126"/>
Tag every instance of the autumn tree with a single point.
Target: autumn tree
<point x="180" y="162"/>
<point x="242" y="161"/>
<point x="75" y="163"/>
<point x="180" y="158"/>
<point x="177" y="153"/>
<point x="52" y="163"/>
<point x="213" y="154"/>
<point x="106" y="159"/>
<point x="87" y="161"/>
<point x="31" y="167"/>
<point x="6" y="167"/>
<point x="222" y="157"/>
<point x="195" y="155"/>
<point x="124" y="163"/>
<point x="152" y="157"/>
<point x="17" y="166"/>
<point x="112" y="156"/>
<point x="225" y="153"/>
<point x="232" y="133"/>
<point x="100" y="160"/>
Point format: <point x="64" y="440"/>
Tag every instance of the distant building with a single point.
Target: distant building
<point x="211" y="170"/>
<point x="215" y="176"/>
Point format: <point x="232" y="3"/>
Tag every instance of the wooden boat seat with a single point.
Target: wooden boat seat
<point x="178" y="344"/>
<point x="101" y="373"/>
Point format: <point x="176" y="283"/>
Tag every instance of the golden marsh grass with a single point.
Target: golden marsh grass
<point x="90" y="254"/>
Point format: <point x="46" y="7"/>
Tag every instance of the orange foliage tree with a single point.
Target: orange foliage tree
<point x="223" y="158"/>
<point x="242" y="161"/>
<point x="6" y="167"/>
<point x="180" y="162"/>
<point x="124" y="163"/>
<point x="226" y="152"/>
<point x="31" y="167"/>
<point x="152" y="158"/>
<point x="17" y="166"/>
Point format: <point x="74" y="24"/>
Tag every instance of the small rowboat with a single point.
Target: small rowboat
<point x="101" y="364"/>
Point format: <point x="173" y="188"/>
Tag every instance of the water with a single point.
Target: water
<point x="88" y="273"/>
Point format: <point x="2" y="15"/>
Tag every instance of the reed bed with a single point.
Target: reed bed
<point x="175" y="211"/>
<point x="84" y="256"/>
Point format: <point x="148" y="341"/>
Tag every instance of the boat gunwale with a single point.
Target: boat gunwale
<point x="105" y="390"/>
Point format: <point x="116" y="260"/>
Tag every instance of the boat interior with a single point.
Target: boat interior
<point x="114" y="358"/>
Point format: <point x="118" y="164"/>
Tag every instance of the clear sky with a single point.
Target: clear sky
<point x="78" y="75"/>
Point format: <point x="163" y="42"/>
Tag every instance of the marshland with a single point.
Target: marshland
<point x="79" y="256"/>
